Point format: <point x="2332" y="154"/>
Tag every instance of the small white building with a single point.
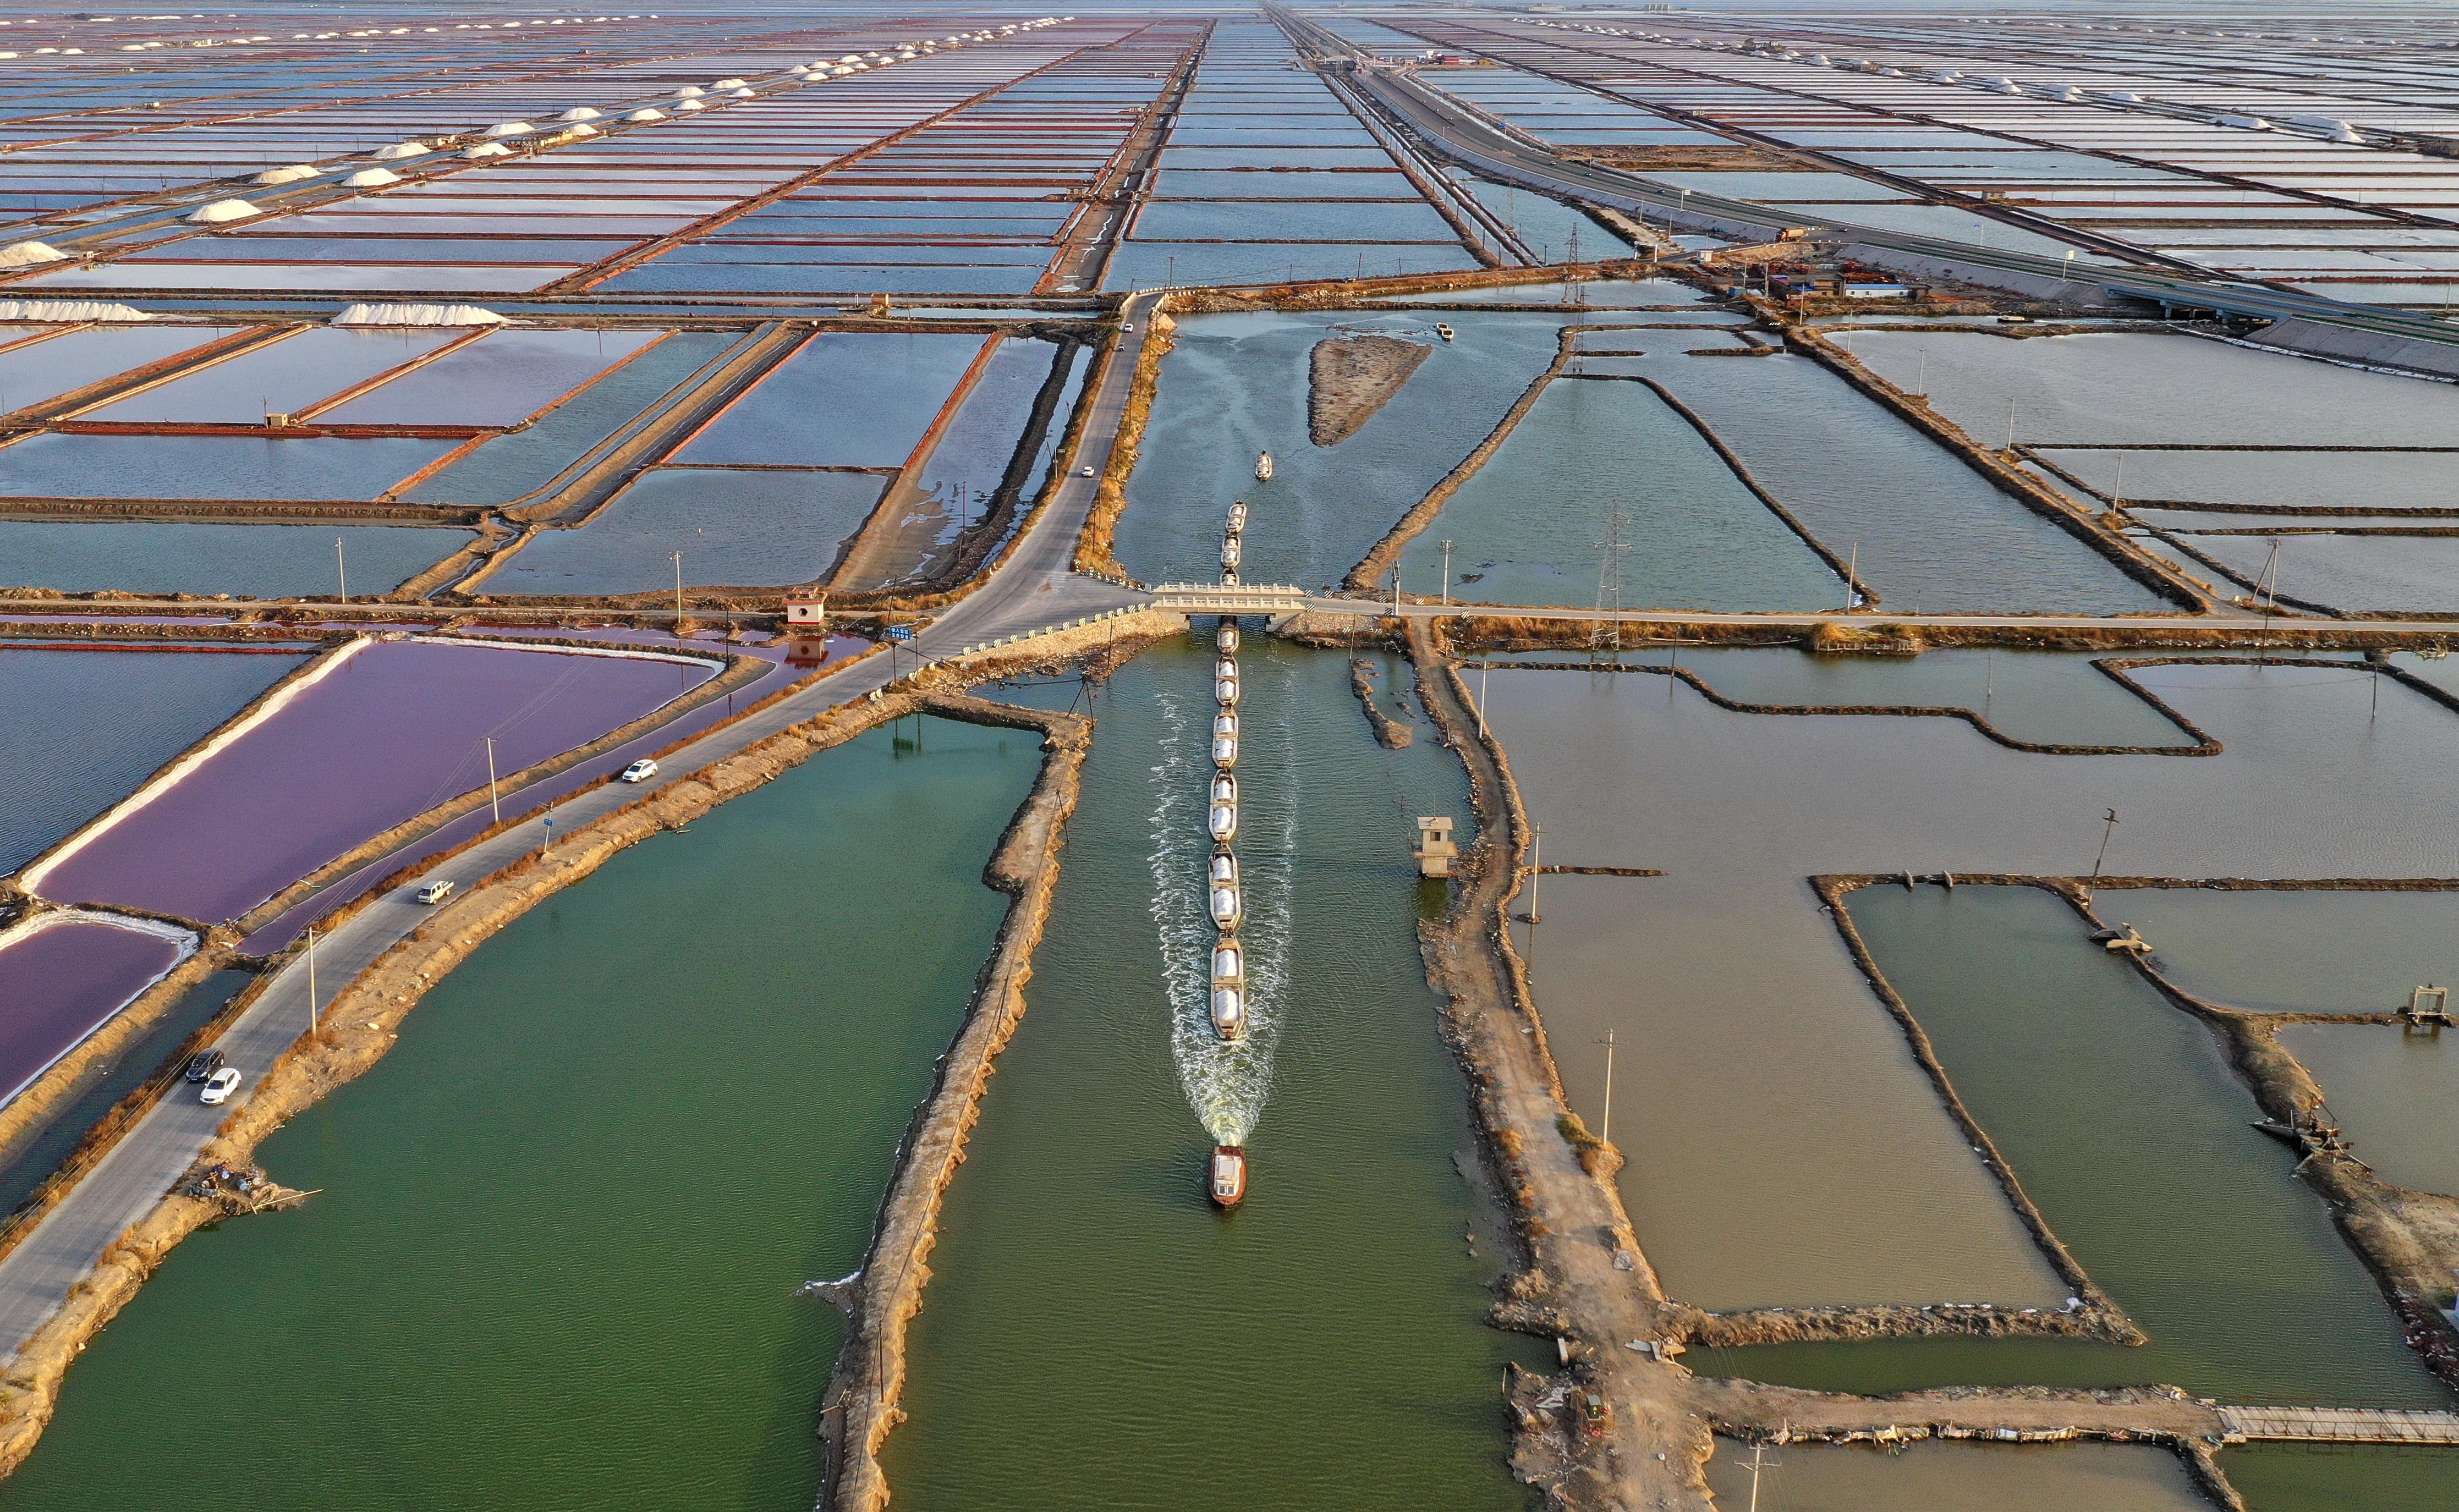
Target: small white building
<point x="807" y="610"/>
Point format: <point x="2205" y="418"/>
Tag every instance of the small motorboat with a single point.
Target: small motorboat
<point x="1222" y="814"/>
<point x="1238" y="514"/>
<point x="1263" y="467"/>
<point x="1442" y="330"/>
<point x="1224" y="740"/>
<point x="1225" y="1178"/>
<point x="1232" y="553"/>
<point x="1225" y="638"/>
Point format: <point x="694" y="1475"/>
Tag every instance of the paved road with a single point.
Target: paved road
<point x="1033" y="590"/>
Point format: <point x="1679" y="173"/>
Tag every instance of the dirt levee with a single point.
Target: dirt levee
<point x="1351" y="377"/>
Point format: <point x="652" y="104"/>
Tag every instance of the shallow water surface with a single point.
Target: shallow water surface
<point x="2141" y="1160"/>
<point x="563" y="1222"/>
<point x="1596" y="461"/>
<point x="2392" y="1091"/>
<point x="1335" y="1317"/>
<point x="82" y="728"/>
<point x="1940" y="1476"/>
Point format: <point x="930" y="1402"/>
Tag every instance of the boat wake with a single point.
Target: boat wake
<point x="1227" y="1082"/>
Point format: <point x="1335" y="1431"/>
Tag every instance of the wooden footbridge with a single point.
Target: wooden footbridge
<point x="2369" y="1425"/>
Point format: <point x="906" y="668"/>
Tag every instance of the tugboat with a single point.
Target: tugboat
<point x="1224" y="740"/>
<point x="1228" y="907"/>
<point x="1227" y="1178"/>
<point x="1238" y="515"/>
<point x="1263" y="467"/>
<point x="1228" y="989"/>
<point x="1224" y="811"/>
<point x="1442" y="330"/>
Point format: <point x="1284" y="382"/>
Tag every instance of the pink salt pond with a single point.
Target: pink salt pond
<point x="391" y="730"/>
<point x="64" y="975"/>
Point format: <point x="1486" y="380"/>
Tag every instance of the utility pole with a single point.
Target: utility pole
<point x="2111" y="830"/>
<point x="342" y="569"/>
<point x="2010" y="425"/>
<point x="492" y="801"/>
<point x="1483" y="668"/>
<point x="1758" y="1462"/>
<point x="311" y="978"/>
<point x="1606" y="1134"/>
<point x="1447" y="575"/>
<point x="679" y="596"/>
<point x="1536" y="868"/>
<point x="1852" y="575"/>
<point x="1603" y="633"/>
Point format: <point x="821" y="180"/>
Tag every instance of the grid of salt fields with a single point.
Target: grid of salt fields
<point x="1267" y="177"/>
<point x="2199" y="151"/>
<point x="453" y="181"/>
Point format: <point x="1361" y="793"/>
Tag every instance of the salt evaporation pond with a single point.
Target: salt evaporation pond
<point x="507" y="468"/>
<point x="1530" y="526"/>
<point x="2320" y="950"/>
<point x="2042" y="697"/>
<point x="83" y="727"/>
<point x="1236" y="385"/>
<point x="2267" y="479"/>
<point x="2144" y="1164"/>
<point x="2392" y="1091"/>
<point x="1926" y="530"/>
<point x="63" y="974"/>
<point x="842" y="399"/>
<point x="89" y="466"/>
<point x="1804" y="1159"/>
<point x="1943" y="1476"/>
<point x="393" y="730"/>
<point x="250" y="561"/>
<point x="2332" y="1478"/>
<point x="1077" y="1236"/>
<point x="2354" y="574"/>
<point x="2099" y="387"/>
<point x="749" y="527"/>
<point x="561" y="1296"/>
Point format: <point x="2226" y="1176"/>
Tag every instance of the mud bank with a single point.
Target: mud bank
<point x="361" y="1025"/>
<point x="1350" y="378"/>
<point x="880" y="1300"/>
<point x="1389" y="733"/>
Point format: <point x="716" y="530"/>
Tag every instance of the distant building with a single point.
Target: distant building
<point x="807" y="609"/>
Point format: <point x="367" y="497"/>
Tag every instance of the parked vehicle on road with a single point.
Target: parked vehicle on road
<point x="204" y="1064"/>
<point x="435" y="891"/>
<point x="640" y="770"/>
<point x="220" y="1087"/>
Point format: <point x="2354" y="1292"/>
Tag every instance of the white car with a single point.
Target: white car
<point x="219" y="1087"/>
<point x="640" y="770"/>
<point x="435" y="891"/>
<point x="1084" y="472"/>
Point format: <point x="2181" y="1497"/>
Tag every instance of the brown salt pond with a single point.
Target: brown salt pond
<point x="391" y="730"/>
<point x="1789" y="1150"/>
<point x="1950" y="1476"/>
<point x="2393" y="1091"/>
